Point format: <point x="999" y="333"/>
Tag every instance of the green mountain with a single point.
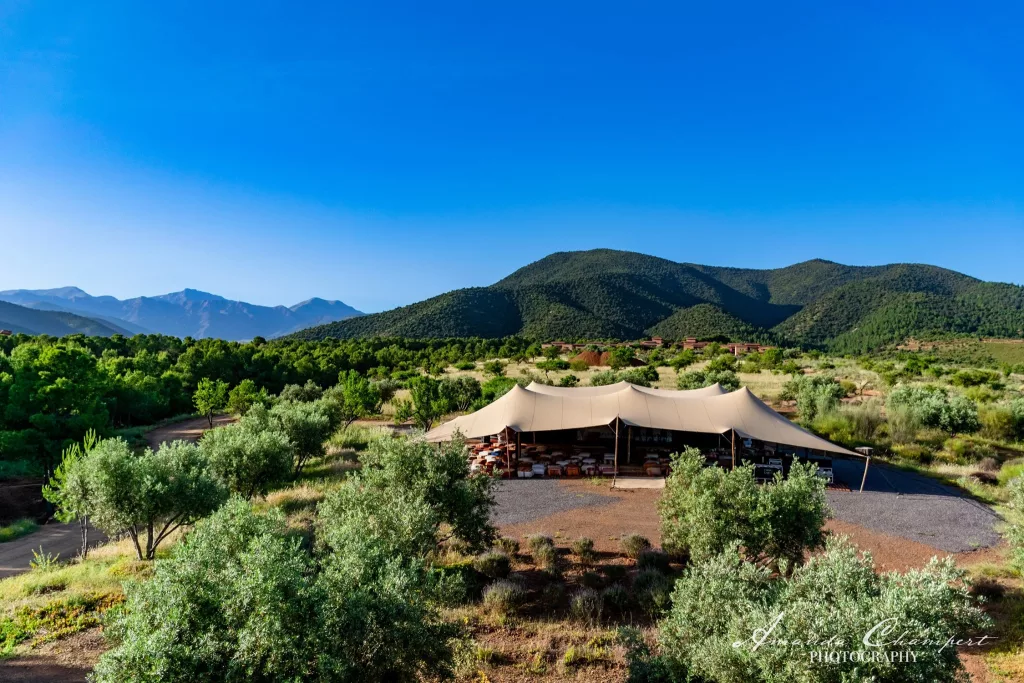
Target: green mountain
<point x="54" y="323"/>
<point x="615" y="294"/>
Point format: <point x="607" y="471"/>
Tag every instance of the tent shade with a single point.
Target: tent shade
<point x="713" y="390"/>
<point x="541" y="410"/>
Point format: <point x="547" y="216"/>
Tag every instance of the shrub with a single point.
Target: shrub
<point x="1009" y="471"/>
<point x="569" y="381"/>
<point x="614" y="572"/>
<point x="653" y="590"/>
<point x="586" y="605"/>
<point x="538" y="541"/>
<point x="509" y="545"/>
<point x="865" y="418"/>
<point x="633" y="545"/>
<point x="961" y="450"/>
<point x="705" y="510"/>
<point x="546" y="557"/>
<point x="583" y="549"/>
<point x="504" y="596"/>
<point x="251" y="456"/>
<point x="465" y="365"/>
<point x="653" y="559"/>
<point x="616" y="598"/>
<point x="493" y="564"/>
<point x="696" y="379"/>
<point x="579" y="365"/>
<point x="838" y="593"/>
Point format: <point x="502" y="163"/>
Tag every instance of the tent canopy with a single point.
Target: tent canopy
<point x="711" y="412"/>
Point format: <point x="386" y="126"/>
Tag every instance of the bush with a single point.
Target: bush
<point x="591" y="579"/>
<point x="538" y="541"/>
<point x="961" y="450"/>
<point x="509" y="545"/>
<point x="653" y="559"/>
<point x="579" y="365"/>
<point x="251" y="456"/>
<point x="583" y="549"/>
<point x="586" y="605"/>
<point x="504" y="596"/>
<point x="838" y="594"/>
<point x="696" y="379"/>
<point x="569" y="381"/>
<point x="546" y="557"/>
<point x="616" y="598"/>
<point x="705" y="510"/>
<point x="493" y="564"/>
<point x="653" y="590"/>
<point x="1009" y="471"/>
<point x="465" y="365"/>
<point x="633" y="545"/>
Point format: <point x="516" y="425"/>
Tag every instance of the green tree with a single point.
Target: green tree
<point x="245" y="396"/>
<point x="459" y="393"/>
<point x="621" y="357"/>
<point x="704" y="510"/>
<point x="495" y="368"/>
<point x="425" y="404"/>
<point x="353" y="398"/>
<point x="251" y="456"/>
<point x="307" y="426"/>
<point x="147" y="496"/>
<point x="838" y="594"/>
<point x="68" y="488"/>
<point x="210" y="396"/>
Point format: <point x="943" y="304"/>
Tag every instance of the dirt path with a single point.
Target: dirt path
<point x="63" y="540"/>
<point x="187" y="430"/>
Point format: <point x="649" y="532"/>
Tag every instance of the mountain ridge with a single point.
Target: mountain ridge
<point x="189" y="312"/>
<point x="604" y="293"/>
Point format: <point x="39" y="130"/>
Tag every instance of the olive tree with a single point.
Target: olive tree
<point x="147" y="496"/>
<point x="756" y="625"/>
<point x="425" y="404"/>
<point x="307" y="426"/>
<point x="354" y="397"/>
<point x="251" y="456"/>
<point x="704" y="510"/>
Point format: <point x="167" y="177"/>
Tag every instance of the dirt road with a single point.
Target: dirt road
<point x="64" y="540"/>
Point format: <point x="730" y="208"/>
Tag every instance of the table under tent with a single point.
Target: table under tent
<point x="624" y="429"/>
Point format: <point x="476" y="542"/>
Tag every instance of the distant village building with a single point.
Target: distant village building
<point x="5" y="333"/>
<point x="736" y="348"/>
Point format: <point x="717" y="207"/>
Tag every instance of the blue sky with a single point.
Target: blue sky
<point x="380" y="153"/>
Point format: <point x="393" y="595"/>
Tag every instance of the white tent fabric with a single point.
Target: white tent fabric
<point x="713" y="390"/>
<point x="527" y="410"/>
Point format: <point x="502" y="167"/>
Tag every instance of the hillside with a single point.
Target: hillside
<point x="54" y="323"/>
<point x="613" y="294"/>
<point x="186" y="313"/>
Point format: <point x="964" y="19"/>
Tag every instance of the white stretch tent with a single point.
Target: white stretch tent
<point x="540" y="408"/>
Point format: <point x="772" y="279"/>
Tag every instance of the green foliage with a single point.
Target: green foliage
<point x="816" y="395"/>
<point x="459" y="393"/>
<point x="495" y="368"/>
<point x="245" y="396"/>
<point x="426" y="404"/>
<point x="509" y="546"/>
<point x="579" y="365"/>
<point x="352" y="398"/>
<point x="306" y="425"/>
<point x="696" y="379"/>
<point x="621" y="357"/>
<point x="302" y="393"/>
<point x="587" y="605"/>
<point x="249" y="457"/>
<point x="704" y="510"/>
<point x="569" y="381"/>
<point x="633" y="545"/>
<point x="933" y="407"/>
<point x="17" y="529"/>
<point x="504" y="596"/>
<point x="147" y="496"/>
<point x="494" y="564"/>
<point x="210" y="396"/>
<point x="836" y="594"/>
<point x="438" y="475"/>
<point x="583" y="549"/>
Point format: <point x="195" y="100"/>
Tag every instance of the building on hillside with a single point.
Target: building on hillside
<point x="5" y="333"/>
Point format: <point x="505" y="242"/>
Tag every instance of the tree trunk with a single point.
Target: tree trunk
<point x="84" y="522"/>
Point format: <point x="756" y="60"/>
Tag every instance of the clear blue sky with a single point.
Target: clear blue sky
<point x="382" y="152"/>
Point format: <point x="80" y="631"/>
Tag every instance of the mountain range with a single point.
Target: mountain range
<point x="69" y="310"/>
<point x="604" y="293"/>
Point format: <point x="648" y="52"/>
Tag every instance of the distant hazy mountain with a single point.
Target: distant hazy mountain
<point x="182" y="314"/>
<point x="615" y="294"/>
<point x="54" y="323"/>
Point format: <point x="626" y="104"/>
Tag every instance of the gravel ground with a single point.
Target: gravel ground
<point x="895" y="503"/>
<point x="524" y="500"/>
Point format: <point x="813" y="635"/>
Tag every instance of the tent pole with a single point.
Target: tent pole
<point x="519" y="444"/>
<point x="734" y="449"/>
<point x="616" y="473"/>
<point x="629" y="445"/>
<point x="867" y="461"/>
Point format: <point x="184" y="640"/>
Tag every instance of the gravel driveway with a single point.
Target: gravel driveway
<point x="524" y="500"/>
<point x="894" y="502"/>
